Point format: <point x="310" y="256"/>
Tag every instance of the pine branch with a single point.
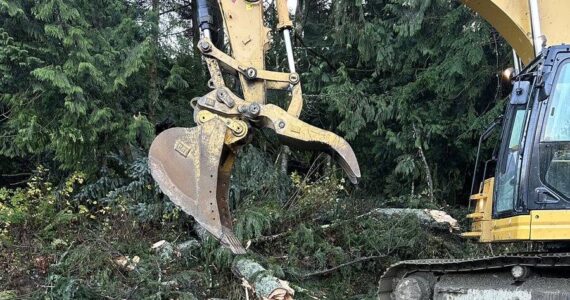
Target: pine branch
<point x="326" y="60"/>
<point x="174" y="9"/>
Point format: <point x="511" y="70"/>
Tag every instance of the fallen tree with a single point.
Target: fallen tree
<point x="260" y="281"/>
<point x="432" y="218"/>
<point x="254" y="276"/>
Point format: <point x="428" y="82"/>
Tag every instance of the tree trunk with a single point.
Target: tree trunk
<point x="257" y="278"/>
<point x="285" y="151"/>
<point x="431" y="218"/>
<point x="153" y="66"/>
<point x="426" y="167"/>
<point x="253" y="275"/>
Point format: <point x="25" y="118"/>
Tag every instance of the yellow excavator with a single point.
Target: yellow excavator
<point x="527" y="200"/>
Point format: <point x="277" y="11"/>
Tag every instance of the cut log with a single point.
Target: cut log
<point x="433" y="218"/>
<point x="264" y="285"/>
<point x="254" y="276"/>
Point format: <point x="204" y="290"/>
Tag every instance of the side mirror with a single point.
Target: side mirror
<point x="521" y="91"/>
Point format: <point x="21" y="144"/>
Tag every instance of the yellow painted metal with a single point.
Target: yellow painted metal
<point x="550" y="225"/>
<point x="482" y="215"/>
<point x="283" y="15"/>
<point x="539" y="225"/>
<point x="292" y="131"/>
<point x="249" y="40"/>
<point x="237" y="128"/>
<point x="511" y="229"/>
<point x="511" y="18"/>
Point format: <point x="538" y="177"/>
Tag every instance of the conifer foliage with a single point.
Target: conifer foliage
<point x="411" y="83"/>
<point x="74" y="82"/>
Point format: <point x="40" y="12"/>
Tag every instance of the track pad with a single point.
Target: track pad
<point x="192" y="167"/>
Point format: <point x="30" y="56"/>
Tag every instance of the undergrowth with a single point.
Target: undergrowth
<point x="80" y="240"/>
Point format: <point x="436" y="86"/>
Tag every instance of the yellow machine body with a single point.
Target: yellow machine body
<point x="512" y="19"/>
<point x="539" y="225"/>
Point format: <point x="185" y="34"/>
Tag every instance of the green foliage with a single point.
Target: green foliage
<point x="74" y="81"/>
<point x="40" y="206"/>
<point x="401" y="76"/>
<point x="249" y="184"/>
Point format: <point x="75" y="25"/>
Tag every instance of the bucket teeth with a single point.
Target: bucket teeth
<point x="192" y="167"/>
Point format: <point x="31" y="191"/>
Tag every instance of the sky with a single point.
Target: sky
<point x="292" y="5"/>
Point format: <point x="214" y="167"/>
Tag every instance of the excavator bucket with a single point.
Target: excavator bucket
<point x="192" y="166"/>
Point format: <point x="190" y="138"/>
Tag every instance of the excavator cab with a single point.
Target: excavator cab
<point x="529" y="196"/>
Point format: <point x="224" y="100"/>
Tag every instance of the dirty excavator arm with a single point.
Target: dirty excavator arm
<point x="192" y="166"/>
<point x="512" y="19"/>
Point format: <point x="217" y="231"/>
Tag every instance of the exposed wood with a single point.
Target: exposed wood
<point x="254" y="276"/>
<point x="432" y="218"/>
<point x="264" y="285"/>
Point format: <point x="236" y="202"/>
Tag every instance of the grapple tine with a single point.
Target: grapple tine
<point x="192" y="167"/>
<point x="294" y="132"/>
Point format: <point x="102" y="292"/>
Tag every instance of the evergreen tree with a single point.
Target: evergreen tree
<point x="410" y="83"/>
<point x="74" y="82"/>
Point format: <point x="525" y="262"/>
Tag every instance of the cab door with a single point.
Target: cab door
<point x="510" y="160"/>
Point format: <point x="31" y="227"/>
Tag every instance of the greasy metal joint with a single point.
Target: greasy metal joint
<point x="281" y="124"/>
<point x="294" y="78"/>
<point x="204" y="46"/>
<point x="251" y="73"/>
<point x="225" y="98"/>
<point x="254" y="109"/>
<point x="211" y="84"/>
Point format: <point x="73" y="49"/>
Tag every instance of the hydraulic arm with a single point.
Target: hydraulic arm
<point x="193" y="165"/>
<point x="513" y="20"/>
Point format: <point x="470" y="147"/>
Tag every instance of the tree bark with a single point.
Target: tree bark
<point x="264" y="285"/>
<point x="153" y="66"/>
<point x="432" y="218"/>
<point x="426" y="168"/>
<point x="255" y="276"/>
<point x="285" y="151"/>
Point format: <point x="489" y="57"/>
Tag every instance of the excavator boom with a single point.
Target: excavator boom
<point x="512" y="19"/>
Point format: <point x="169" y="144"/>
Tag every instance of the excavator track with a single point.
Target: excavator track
<point x="435" y="269"/>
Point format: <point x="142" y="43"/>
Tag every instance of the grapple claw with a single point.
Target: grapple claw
<point x="294" y="132"/>
<point x="192" y="167"/>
